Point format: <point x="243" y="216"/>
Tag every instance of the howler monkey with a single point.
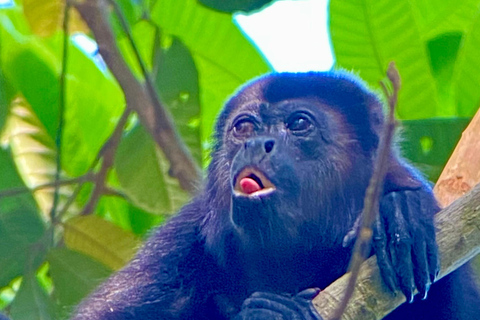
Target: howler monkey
<point x="293" y="157"/>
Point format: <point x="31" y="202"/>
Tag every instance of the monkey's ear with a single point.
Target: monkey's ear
<point x="401" y="177"/>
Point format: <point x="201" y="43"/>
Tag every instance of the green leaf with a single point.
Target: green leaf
<point x="429" y="143"/>
<point x="100" y="239"/>
<point x="20" y="225"/>
<point x="367" y="35"/>
<point x="235" y="5"/>
<point x="215" y="42"/>
<point x="94" y="105"/>
<point x="32" y="69"/>
<point x="177" y="82"/>
<point x="142" y="171"/>
<point x="443" y="54"/>
<point x="144" y="34"/>
<point x="74" y="275"/>
<point x="32" y="302"/>
<point x="6" y="95"/>
<point x="466" y="76"/>
<point x="436" y="17"/>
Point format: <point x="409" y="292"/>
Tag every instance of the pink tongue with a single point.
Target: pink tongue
<point x="248" y="185"/>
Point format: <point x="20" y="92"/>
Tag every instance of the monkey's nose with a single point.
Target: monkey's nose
<point x="260" y="144"/>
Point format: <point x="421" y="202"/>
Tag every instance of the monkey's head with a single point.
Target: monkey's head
<point x="293" y="157"/>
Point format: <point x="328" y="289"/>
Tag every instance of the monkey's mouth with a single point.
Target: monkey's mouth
<point x="252" y="183"/>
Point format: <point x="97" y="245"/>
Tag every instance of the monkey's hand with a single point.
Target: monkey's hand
<point x="404" y="241"/>
<point x="270" y="306"/>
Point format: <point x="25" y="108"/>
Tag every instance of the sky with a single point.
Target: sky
<point x="291" y="34"/>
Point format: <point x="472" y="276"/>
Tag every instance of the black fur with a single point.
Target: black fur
<point x="227" y="255"/>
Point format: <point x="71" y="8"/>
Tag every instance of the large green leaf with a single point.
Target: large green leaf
<point x="436" y="17"/>
<point x="177" y="82"/>
<point x="6" y="94"/>
<point x="101" y="240"/>
<point x="20" y="225"/>
<point x="74" y="275"/>
<point x="466" y="76"/>
<point x="368" y="34"/>
<point x="224" y="57"/>
<point x="443" y="52"/>
<point x="94" y="104"/>
<point x="32" y="302"/>
<point x="31" y="68"/>
<point x="143" y="174"/>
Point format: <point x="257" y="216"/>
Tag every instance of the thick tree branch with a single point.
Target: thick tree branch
<point x="152" y="114"/>
<point x="458" y="237"/>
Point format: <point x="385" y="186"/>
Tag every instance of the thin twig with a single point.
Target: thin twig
<point x="108" y="150"/>
<point x="372" y="195"/>
<point x="55" y="184"/>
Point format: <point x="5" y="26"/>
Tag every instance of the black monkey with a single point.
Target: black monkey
<point x="292" y="160"/>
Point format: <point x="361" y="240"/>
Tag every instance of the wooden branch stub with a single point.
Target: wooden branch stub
<point x="462" y="171"/>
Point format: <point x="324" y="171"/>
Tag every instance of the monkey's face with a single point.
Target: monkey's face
<point x="286" y="158"/>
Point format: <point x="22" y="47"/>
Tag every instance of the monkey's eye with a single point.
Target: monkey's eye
<point x="243" y="128"/>
<point x="299" y="124"/>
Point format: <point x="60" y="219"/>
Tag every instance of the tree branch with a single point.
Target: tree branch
<point x="152" y="114"/>
<point x="458" y="238"/>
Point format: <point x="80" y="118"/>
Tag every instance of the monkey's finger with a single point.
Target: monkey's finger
<point x="383" y="256"/>
<point x="420" y="269"/>
<point x="400" y="245"/>
<point x="431" y="244"/>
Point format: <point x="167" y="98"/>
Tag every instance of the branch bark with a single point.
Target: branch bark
<point x="458" y="238"/>
<point x="151" y="112"/>
<point x="462" y="171"/>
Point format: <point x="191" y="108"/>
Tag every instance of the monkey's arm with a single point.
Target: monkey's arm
<point x="159" y="283"/>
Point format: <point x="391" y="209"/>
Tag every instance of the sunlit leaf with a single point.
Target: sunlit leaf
<point x="32" y="302"/>
<point x="367" y="35"/>
<point x="74" y="275"/>
<point x="101" y="240"/>
<point x="46" y="16"/>
<point x="94" y="104"/>
<point x="32" y="69"/>
<point x="34" y="154"/>
<point x="466" y="76"/>
<point x="143" y="174"/>
<point x="436" y="17"/>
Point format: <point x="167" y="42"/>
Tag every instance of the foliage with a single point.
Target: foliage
<point x="191" y="67"/>
<point x="56" y="245"/>
<point x="434" y="45"/>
